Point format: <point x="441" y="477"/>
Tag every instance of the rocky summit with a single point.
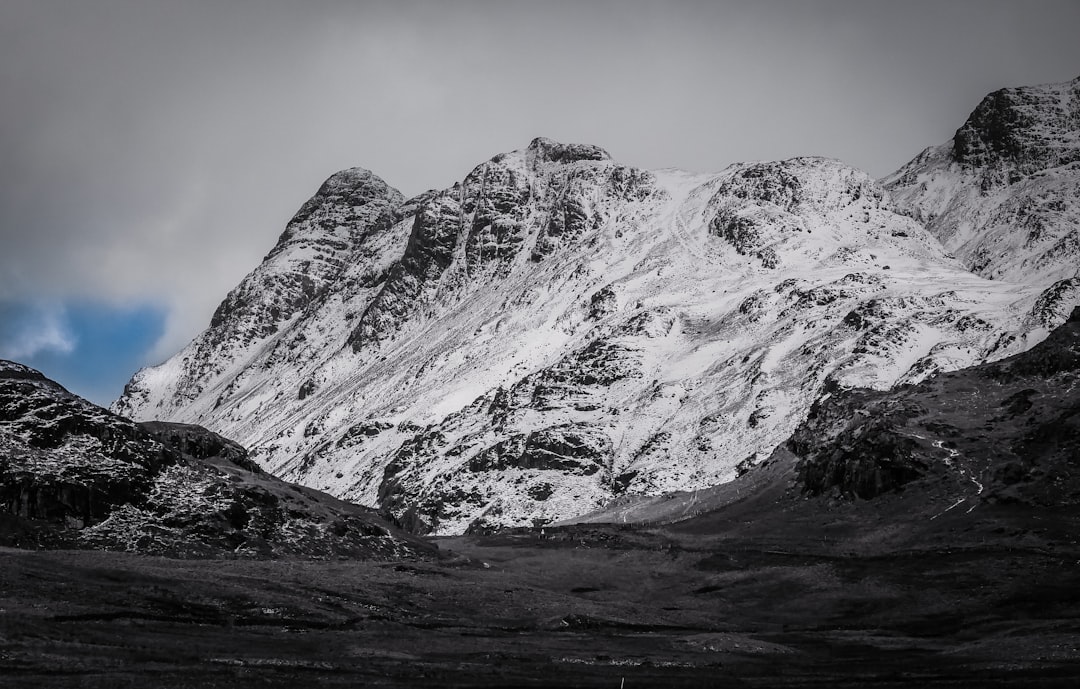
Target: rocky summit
<point x="74" y="475"/>
<point x="557" y="330"/>
<point x="1004" y="194"/>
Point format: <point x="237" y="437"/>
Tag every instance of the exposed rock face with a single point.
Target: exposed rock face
<point x="551" y="453"/>
<point x="65" y="460"/>
<point x="851" y="449"/>
<point x="428" y="254"/>
<point x="1025" y="130"/>
<point x="343" y="233"/>
<point x="474" y="233"/>
<point x="75" y="475"/>
<point x="1001" y="432"/>
<point x="197" y="443"/>
<point x="310" y="254"/>
<point x="557" y="329"/>
<point x="1004" y="194"/>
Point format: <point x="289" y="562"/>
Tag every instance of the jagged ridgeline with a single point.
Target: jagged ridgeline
<point x="558" y="329"/>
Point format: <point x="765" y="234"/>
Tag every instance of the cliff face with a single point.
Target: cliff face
<point x="557" y="329"/>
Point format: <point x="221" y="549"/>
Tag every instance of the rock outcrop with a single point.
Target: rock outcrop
<point x="75" y="475"/>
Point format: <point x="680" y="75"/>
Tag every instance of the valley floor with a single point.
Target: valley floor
<point x="993" y="601"/>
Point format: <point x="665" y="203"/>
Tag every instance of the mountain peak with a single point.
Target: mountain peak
<point x="354" y="186"/>
<point x="1002" y="195"/>
<point x="548" y="151"/>
<point x="1031" y="128"/>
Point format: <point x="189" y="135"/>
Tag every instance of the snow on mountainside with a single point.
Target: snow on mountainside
<point x="348" y="224"/>
<point x="1004" y="194"/>
<point x="558" y="329"/>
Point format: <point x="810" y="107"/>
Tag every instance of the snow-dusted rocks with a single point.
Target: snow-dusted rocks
<point x="557" y="329"/>
<point x="343" y="233"/>
<point x="1004" y="194"/>
<point x="1002" y="432"/>
<point x="75" y="475"/>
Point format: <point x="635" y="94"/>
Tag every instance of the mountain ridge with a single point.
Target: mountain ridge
<point x="556" y="329"/>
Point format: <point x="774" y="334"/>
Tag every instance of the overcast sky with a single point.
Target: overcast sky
<point x="151" y="152"/>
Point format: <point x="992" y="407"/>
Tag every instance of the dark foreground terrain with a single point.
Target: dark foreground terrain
<point x="988" y="598"/>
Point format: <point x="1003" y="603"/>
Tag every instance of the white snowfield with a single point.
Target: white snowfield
<point x="557" y="330"/>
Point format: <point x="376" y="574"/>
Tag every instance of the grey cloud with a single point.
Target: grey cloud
<point x="153" y="151"/>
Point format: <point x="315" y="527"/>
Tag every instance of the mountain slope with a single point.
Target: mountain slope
<point x="1004" y="194"/>
<point x="348" y="226"/>
<point x="557" y="329"/>
<point x="75" y="475"/>
<point x="1002" y="432"/>
<point x="1001" y="436"/>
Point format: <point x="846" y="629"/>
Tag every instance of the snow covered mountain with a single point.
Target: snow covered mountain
<point x="558" y="329"/>
<point x="1004" y="194"/>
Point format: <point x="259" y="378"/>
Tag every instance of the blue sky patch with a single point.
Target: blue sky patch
<point x="90" y="348"/>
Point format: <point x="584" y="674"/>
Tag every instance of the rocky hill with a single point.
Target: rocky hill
<point x="75" y="475"/>
<point x="557" y="329"/>
<point x="1002" y="432"/>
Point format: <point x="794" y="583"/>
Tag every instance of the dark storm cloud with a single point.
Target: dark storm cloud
<point x="152" y="151"/>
